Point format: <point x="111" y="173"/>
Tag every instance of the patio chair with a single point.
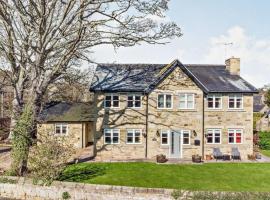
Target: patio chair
<point x="217" y="153"/>
<point x="235" y="154"/>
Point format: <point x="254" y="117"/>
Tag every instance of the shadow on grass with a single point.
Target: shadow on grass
<point x="81" y="173"/>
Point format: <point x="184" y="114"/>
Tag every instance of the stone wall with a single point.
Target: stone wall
<point x="25" y="190"/>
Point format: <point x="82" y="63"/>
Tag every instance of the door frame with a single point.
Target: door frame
<point x="181" y="143"/>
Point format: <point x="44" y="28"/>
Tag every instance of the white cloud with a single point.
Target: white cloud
<point x="253" y="52"/>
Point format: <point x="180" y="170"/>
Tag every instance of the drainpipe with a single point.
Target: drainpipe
<point x="146" y="126"/>
<point x="2" y="104"/>
<point x="203" y="117"/>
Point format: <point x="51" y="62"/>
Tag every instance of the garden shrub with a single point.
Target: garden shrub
<point x="66" y="195"/>
<point x="48" y="158"/>
<point x="264" y="142"/>
<point x="7" y="180"/>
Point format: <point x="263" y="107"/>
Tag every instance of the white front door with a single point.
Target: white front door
<point x="175" y="144"/>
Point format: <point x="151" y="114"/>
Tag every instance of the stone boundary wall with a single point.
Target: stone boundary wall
<point x="25" y="189"/>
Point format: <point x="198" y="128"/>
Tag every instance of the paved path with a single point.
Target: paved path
<point x="5" y="159"/>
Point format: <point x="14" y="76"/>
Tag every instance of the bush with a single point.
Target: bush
<point x="48" y="158"/>
<point x="264" y="141"/>
<point x="7" y="180"/>
<point x="66" y="195"/>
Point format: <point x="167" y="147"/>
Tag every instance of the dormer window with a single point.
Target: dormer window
<point x="235" y="101"/>
<point x="111" y="101"/>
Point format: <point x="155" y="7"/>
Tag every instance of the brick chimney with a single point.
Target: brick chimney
<point x="233" y="65"/>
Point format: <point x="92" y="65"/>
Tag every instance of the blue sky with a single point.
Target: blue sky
<point x="206" y="25"/>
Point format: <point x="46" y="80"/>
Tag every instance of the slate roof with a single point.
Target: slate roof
<point x="144" y="77"/>
<point x="66" y="112"/>
<point x="258" y="105"/>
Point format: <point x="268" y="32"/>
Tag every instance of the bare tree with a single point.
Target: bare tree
<point x="41" y="39"/>
<point x="73" y="86"/>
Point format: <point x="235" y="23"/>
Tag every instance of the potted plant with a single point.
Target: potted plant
<point x="196" y="158"/>
<point x="208" y="157"/>
<point x="161" y="158"/>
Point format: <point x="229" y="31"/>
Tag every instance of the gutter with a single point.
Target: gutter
<point x="203" y="125"/>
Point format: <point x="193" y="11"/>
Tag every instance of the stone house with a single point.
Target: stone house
<point x="179" y="110"/>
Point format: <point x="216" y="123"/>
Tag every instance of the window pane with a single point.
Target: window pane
<point x="138" y="98"/>
<point x="130" y="98"/>
<point x="64" y="129"/>
<point x="190" y="104"/>
<point x="218" y="102"/>
<point x="231" y="136"/>
<point x="137" y="139"/>
<point x="238" y="103"/>
<point x="115" y="140"/>
<point x="107" y="104"/>
<point x="168" y="101"/>
<point x="182" y="97"/>
<point x="161" y="101"/>
<point x="185" y="140"/>
<point x="182" y="104"/>
<point x="108" y="140"/>
<point x="238" y="137"/>
<point x="210" y="138"/>
<point x="210" y="104"/>
<point x="164" y="138"/>
<point x="137" y="104"/>
<point x="115" y="103"/>
<point x="108" y="98"/>
<point x="231" y="103"/>
<point x="130" y="104"/>
<point x="58" y="129"/>
<point x="217" y="138"/>
<point x="190" y="97"/>
<point x="115" y="98"/>
<point x="108" y="132"/>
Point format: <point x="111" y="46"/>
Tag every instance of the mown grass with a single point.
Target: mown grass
<point x="205" y="177"/>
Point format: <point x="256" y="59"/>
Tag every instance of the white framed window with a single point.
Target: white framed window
<point x="214" y="101"/>
<point x="134" y="136"/>
<point x="213" y="136"/>
<point x="235" y="136"/>
<point x="61" y="129"/>
<point x="235" y="101"/>
<point x="165" y="101"/>
<point x="111" y="136"/>
<point x="134" y="101"/>
<point x="186" y="101"/>
<point x="165" y="137"/>
<point x="186" y="137"/>
<point x="111" y="101"/>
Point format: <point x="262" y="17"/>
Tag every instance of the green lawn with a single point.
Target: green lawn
<point x="208" y="177"/>
<point x="266" y="152"/>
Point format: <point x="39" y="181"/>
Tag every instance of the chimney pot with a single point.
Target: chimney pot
<point x="233" y="65"/>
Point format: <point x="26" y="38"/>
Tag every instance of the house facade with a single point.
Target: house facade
<point x="139" y="111"/>
<point x="177" y="110"/>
